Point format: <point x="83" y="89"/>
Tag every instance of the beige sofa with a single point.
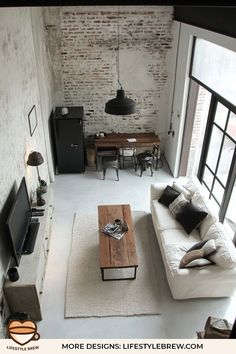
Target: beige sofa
<point x="215" y="280"/>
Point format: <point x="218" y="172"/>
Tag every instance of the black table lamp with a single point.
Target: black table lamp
<point x="36" y="159"/>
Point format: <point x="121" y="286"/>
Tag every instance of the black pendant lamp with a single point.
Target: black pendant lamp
<point x="121" y="105"/>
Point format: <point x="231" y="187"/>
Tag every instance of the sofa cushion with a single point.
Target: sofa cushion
<point x="204" y="203"/>
<point x="168" y="195"/>
<point x="190" y="217"/>
<point x="163" y="217"/>
<point x="191" y="256"/>
<point x="181" y="189"/>
<point x="179" y="237"/>
<point x="173" y="254"/>
<point x="176" y="206"/>
<point x="225" y="255"/>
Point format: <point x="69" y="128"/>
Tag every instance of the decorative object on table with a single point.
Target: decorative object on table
<point x="117" y="222"/>
<point x="121" y="105"/>
<point x="113" y="230"/>
<point x="40" y="199"/>
<point x="124" y="226"/>
<point x="32" y="118"/>
<point x="36" y="159"/>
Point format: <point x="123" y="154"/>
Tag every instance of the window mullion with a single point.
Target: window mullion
<point x="229" y="188"/>
<point x="206" y="141"/>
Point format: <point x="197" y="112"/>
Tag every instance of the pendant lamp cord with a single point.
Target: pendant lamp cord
<point x="118" y="47"/>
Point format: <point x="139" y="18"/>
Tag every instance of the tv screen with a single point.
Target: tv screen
<point x="18" y="220"/>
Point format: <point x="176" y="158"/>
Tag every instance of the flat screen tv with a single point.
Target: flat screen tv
<point x="19" y="224"/>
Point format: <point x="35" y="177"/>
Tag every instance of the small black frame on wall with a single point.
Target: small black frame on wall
<point x="32" y="118"/>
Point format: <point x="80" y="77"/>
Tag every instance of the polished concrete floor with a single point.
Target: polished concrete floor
<point x="82" y="193"/>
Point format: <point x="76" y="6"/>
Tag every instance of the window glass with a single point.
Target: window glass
<point x="215" y="206"/>
<point x="231" y="127"/>
<point x="215" y="66"/>
<point x="225" y="160"/>
<point x="221" y="115"/>
<point x="218" y="191"/>
<point x="214" y="148"/>
<point x="231" y="214"/>
<point x="208" y="177"/>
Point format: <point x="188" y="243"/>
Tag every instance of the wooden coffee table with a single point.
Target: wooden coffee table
<point x="116" y="253"/>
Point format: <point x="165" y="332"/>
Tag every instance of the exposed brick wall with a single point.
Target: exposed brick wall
<point x="87" y="39"/>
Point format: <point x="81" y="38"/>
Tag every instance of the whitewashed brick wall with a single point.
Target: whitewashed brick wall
<point x="86" y="72"/>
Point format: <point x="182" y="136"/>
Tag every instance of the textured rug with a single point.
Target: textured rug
<point x="88" y="296"/>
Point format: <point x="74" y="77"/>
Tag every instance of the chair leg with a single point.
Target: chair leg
<point x="151" y="170"/>
<point x="141" y="170"/>
<point x="117" y="173"/>
<point x="104" y="173"/>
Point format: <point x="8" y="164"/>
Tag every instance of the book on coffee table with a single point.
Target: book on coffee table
<point x="113" y="230"/>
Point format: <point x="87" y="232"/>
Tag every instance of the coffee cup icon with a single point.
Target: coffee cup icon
<point x="22" y="332"/>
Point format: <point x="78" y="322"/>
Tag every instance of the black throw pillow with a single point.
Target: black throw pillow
<point x="168" y="196"/>
<point x="190" y="217"/>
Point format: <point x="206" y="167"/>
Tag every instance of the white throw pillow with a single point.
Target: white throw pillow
<point x="225" y="255"/>
<point x="209" y="247"/>
<point x="203" y="203"/>
<point x="191" y="187"/>
<point x="181" y="189"/>
<point x="177" y="204"/>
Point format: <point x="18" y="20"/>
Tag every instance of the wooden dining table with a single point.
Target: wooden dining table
<point x="119" y="140"/>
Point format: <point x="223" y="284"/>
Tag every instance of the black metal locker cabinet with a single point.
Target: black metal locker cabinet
<point x="69" y="140"/>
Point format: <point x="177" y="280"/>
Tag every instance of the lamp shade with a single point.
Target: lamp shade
<point x="120" y="105"/>
<point x="35" y="159"/>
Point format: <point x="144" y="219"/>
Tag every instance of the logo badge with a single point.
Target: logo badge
<point x="22" y="332"/>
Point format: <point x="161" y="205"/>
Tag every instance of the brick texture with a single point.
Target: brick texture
<point x="88" y="41"/>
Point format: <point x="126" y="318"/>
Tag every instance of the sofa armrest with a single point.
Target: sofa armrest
<point x="157" y="190"/>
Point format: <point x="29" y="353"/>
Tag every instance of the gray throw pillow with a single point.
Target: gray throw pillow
<point x="198" y="257"/>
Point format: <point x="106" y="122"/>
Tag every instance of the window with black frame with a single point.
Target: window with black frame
<point x="214" y="67"/>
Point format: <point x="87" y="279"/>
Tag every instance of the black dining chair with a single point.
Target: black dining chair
<point x="144" y="160"/>
<point x="127" y="154"/>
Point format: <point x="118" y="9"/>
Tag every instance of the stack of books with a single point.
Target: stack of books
<point x="113" y="230"/>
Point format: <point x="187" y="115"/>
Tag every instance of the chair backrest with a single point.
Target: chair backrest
<point x="127" y="151"/>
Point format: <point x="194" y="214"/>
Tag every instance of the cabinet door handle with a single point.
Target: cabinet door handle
<point x="75" y="146"/>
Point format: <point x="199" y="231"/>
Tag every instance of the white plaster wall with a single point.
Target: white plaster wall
<point x="45" y="80"/>
<point x="19" y="91"/>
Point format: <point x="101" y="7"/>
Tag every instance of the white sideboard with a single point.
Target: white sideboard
<point x="25" y="294"/>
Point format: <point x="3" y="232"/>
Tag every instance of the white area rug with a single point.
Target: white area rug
<point x="88" y="296"/>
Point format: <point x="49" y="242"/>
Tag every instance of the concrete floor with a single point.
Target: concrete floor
<point x="82" y="193"/>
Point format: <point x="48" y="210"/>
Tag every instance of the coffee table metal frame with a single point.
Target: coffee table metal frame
<point x="128" y="278"/>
